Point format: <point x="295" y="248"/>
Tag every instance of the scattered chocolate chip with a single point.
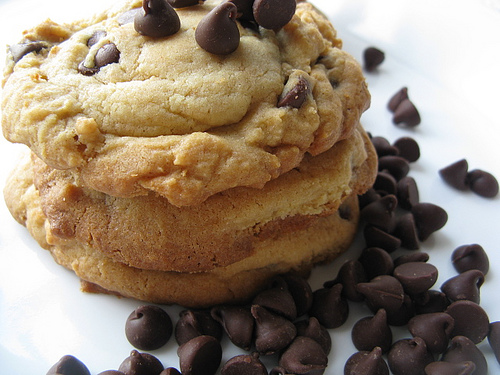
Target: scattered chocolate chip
<point x="201" y="355"/>
<point x="272" y="332"/>
<point x="465" y="286"/>
<point x="95" y="37"/>
<point x="370" y="196"/>
<point x="313" y="329"/>
<point x="372" y="331"/>
<point x="428" y="219"/>
<point x="295" y="92"/>
<point x="383" y="292"/>
<point x="463" y="349"/>
<point x="494" y="339"/>
<point x="380" y="213"/>
<point x="406" y="114"/>
<point x="430" y="302"/>
<point x="170" y="371"/>
<point x="399" y="317"/>
<point x="416" y="277"/>
<point x="157" y="19"/>
<point x="237" y="322"/>
<point x="278" y="300"/>
<point x="20" y="50"/>
<point x="115" y="372"/>
<point x="273" y="14"/>
<point x="408" y="148"/>
<point x="244" y="364"/>
<point x="329" y="306"/>
<point x="407" y="193"/>
<point x="376" y="262"/>
<point x="383" y="147"/>
<point x="483" y="183"/>
<point x="372" y="58"/>
<point x="406" y="230"/>
<point x="301" y="292"/>
<point x="148" y="327"/>
<point x="409" y="357"/>
<point x="196" y="323"/>
<point x="434" y="328"/>
<point x="69" y="365"/>
<point x="386" y="183"/>
<point x="455" y="174"/>
<point x="396" y="165"/>
<point x="218" y="32"/>
<point x="141" y="364"/>
<point x="470" y="319"/>
<point x="397" y="98"/>
<point x="366" y="363"/>
<point x="416" y="256"/>
<point x="470" y="257"/>
<point x="184" y="3"/>
<point x="448" y="368"/>
<point x="376" y="237"/>
<point x="350" y="274"/>
<point x="304" y="356"/>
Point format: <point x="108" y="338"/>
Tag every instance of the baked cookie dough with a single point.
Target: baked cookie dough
<point x="129" y="114"/>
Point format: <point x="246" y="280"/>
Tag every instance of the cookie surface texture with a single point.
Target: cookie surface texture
<point x="129" y="114"/>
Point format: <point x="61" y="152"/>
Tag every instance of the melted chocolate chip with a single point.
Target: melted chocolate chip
<point x="366" y="363"/>
<point x="447" y="368"/>
<point x="372" y="58"/>
<point x="465" y="286"/>
<point x="304" y="356"/>
<point x="273" y="14"/>
<point x="201" y="355"/>
<point x="272" y="332"/>
<point x="470" y="319"/>
<point x="470" y="257"/>
<point x="463" y="349"/>
<point x="406" y="114"/>
<point x="69" y="365"/>
<point x="409" y="357"/>
<point x="218" y="32"/>
<point x="237" y="322"/>
<point x="245" y="364"/>
<point x="329" y="306"/>
<point x="148" y="327"/>
<point x="483" y="183"/>
<point x="20" y="50"/>
<point x="397" y="98"/>
<point x="455" y="174"/>
<point x="435" y="329"/>
<point x="371" y="332"/>
<point x="140" y="364"/>
<point x="157" y="20"/>
<point x="295" y="93"/>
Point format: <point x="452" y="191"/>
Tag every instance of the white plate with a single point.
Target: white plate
<point x="445" y="51"/>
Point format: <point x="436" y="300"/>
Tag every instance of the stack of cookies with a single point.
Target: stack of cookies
<point x="186" y="152"/>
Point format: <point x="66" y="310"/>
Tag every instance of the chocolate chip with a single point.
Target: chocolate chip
<point x="148" y="327"/>
<point x="184" y="3"/>
<point x="417" y="256"/>
<point x="170" y="371"/>
<point x="465" y="286"/>
<point x="20" y="50"/>
<point x="278" y="300"/>
<point x="428" y="219"/>
<point x="409" y="357"/>
<point x="372" y="331"/>
<point x="69" y="365"/>
<point x="372" y="58"/>
<point x="237" y="322"/>
<point x="313" y="329"/>
<point x="273" y="14"/>
<point x="201" y="355"/>
<point x="295" y="92"/>
<point x="470" y="257"/>
<point x="128" y="16"/>
<point x="245" y="10"/>
<point x="366" y="363"/>
<point x="244" y="364"/>
<point x="383" y="292"/>
<point x="350" y="274"/>
<point x="368" y="197"/>
<point x="397" y="98"/>
<point x="386" y="183"/>
<point x="115" y="372"/>
<point x="408" y="148"/>
<point x="483" y="183"/>
<point x="434" y="328"/>
<point x="301" y="292"/>
<point x="455" y="174"/>
<point x="141" y="364"/>
<point x="397" y="166"/>
<point x="399" y="317"/>
<point x="304" y="356"/>
<point x="272" y="332"/>
<point x="157" y="19"/>
<point x="196" y="323"/>
<point x="376" y="262"/>
<point x="406" y="230"/>
<point x="470" y="319"/>
<point x="407" y="192"/>
<point x="494" y="339"/>
<point x="406" y="114"/>
<point x="447" y="368"/>
<point x="430" y="302"/>
<point x="383" y="147"/>
<point x="218" y="32"/>
<point x="380" y="213"/>
<point x="463" y="349"/>
<point x="95" y="37"/>
<point x="376" y="237"/>
<point x="107" y="54"/>
<point x="329" y="306"/>
<point x="416" y="277"/>
<point x="86" y="71"/>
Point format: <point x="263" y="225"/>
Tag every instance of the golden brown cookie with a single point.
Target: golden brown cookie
<point x="128" y="114"/>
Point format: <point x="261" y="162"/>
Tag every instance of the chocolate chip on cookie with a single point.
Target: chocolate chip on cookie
<point x="184" y="3"/>
<point x="273" y="14"/>
<point x="295" y="93"/>
<point x="158" y="19"/>
<point x="18" y="51"/>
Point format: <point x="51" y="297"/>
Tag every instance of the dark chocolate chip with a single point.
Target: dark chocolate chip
<point x="434" y="328"/>
<point x="448" y="368"/>
<point x="386" y="183"/>
<point x="244" y="364"/>
<point x="380" y="213"/>
<point x="406" y="231"/>
<point x="408" y="148"/>
<point x="301" y="292"/>
<point x="245" y="9"/>
<point x="465" y="286"/>
<point x="157" y="19"/>
<point x="483" y="183"/>
<point x="400" y="317"/>
<point x="273" y="14"/>
<point x="416" y="277"/>
<point x="383" y="292"/>
<point x="196" y="323"/>
<point x="86" y="71"/>
<point x="201" y="355"/>
<point x="170" y="371"/>
<point x="237" y="322"/>
<point x="397" y="166"/>
<point x="218" y="32"/>
<point x="409" y="357"/>
<point x="376" y="237"/>
<point x="397" y="98"/>
<point x="184" y="3"/>
<point x="370" y="196"/>
<point x="407" y="192"/>
<point x="95" y="37"/>
<point x="295" y="93"/>
<point x="494" y="339"/>
<point x="148" y="327"/>
<point x="470" y="257"/>
<point x="455" y="174"/>
<point x="431" y="301"/>
<point x="69" y="365"/>
<point x="416" y="256"/>
<point x="312" y="328"/>
<point x="329" y="306"/>
<point x="304" y="356"/>
<point x="463" y="349"/>
<point x="383" y="147"/>
<point x="116" y="372"/>
<point x="141" y="364"/>
<point x="350" y="274"/>
<point x="376" y="262"/>
<point x="107" y="54"/>
<point x="372" y="58"/>
<point x="406" y="114"/>
<point x="471" y="320"/>
<point x="272" y="332"/>
<point x="20" y="50"/>
<point x="428" y="219"/>
<point x="366" y="363"/>
<point x="372" y="331"/>
<point x="278" y="300"/>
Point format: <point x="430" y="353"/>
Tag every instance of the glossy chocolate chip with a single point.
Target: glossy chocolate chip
<point x="417" y="256"/>
<point x="416" y="277"/>
<point x="406" y="230"/>
<point x="295" y="93"/>
<point x="435" y="329"/>
<point x="244" y="364"/>
<point x="141" y="364"/>
<point x="278" y="300"/>
<point x="463" y="349"/>
<point x="350" y="274"/>
<point x="301" y="292"/>
<point x="407" y="193"/>
<point x="430" y="302"/>
<point x="237" y="322"/>
<point x="429" y="218"/>
<point x="397" y="98"/>
<point x="455" y="174"/>
<point x="107" y="54"/>
<point x="366" y="363"/>
<point x="383" y="147"/>
<point x="386" y="183"/>
<point x="313" y="329"/>
<point x="329" y="306"/>
<point x="273" y="14"/>
<point x="383" y="292"/>
<point x="372" y="58"/>
<point x="201" y="355"/>
<point x="470" y="257"/>
<point x="409" y="357"/>
<point x="465" y="286"/>
<point x="272" y="332"/>
<point x="95" y="37"/>
<point x="380" y="213"/>
<point x="217" y="31"/>
<point x="304" y="356"/>
<point x="408" y="148"/>
<point x="494" y="339"/>
<point x="68" y="365"/>
<point x="372" y="331"/>
<point x="245" y="9"/>
<point x="376" y="237"/>
<point x="396" y="165"/>
<point x="184" y="3"/>
<point x="448" y="368"/>
<point x="157" y="19"/>
<point x="376" y="262"/>
<point x="406" y="114"/>
<point x="148" y="327"/>
<point x="196" y="323"/>
<point x="483" y="183"/>
<point x="470" y="319"/>
<point x="18" y="51"/>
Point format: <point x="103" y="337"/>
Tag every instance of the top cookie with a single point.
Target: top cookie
<point x="129" y="113"/>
